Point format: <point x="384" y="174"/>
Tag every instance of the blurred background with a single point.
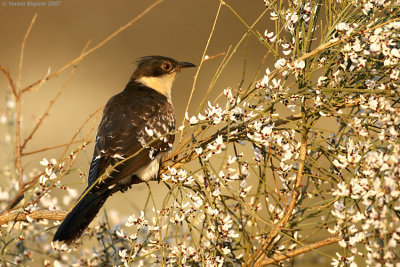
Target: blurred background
<point x="176" y="28"/>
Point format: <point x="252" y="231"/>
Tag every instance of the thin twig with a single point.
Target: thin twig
<point x="21" y="59"/>
<point x="66" y="170"/>
<point x="10" y="80"/>
<point x="216" y="76"/>
<point x="42" y="81"/>
<point x="208" y="58"/>
<point x="261" y="253"/>
<point x="102" y="43"/>
<point x="18" y="164"/>
<point x="50" y="148"/>
<point x="281" y="257"/>
<point x="28" y="185"/>
<point x="79" y="130"/>
<point x="229" y="55"/>
<point x="278" y="191"/>
<point x="251" y="28"/>
<point x="46" y="113"/>
<point x="200" y="65"/>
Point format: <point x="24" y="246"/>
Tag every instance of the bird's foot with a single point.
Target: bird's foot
<point x="125" y="184"/>
<point x="124" y="188"/>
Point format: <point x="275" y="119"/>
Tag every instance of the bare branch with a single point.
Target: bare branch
<point x="31" y="183"/>
<point x="66" y="170"/>
<point x="10" y="80"/>
<point x="260" y="254"/>
<point x="18" y="164"/>
<point x="277" y="258"/>
<point x="50" y="148"/>
<point x="91" y="50"/>
<point x="207" y="58"/>
<point x="46" y="113"/>
<point x="21" y="59"/>
<point x="55" y="215"/>
<point x="201" y="64"/>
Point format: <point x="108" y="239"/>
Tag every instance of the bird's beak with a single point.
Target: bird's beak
<point x="183" y="65"/>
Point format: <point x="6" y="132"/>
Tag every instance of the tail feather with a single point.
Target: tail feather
<point x="81" y="216"/>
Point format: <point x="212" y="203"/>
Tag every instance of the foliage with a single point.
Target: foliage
<point x="311" y="149"/>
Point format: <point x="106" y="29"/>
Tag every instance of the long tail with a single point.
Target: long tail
<point x="81" y="216"/>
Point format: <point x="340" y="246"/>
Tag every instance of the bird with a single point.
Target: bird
<point x="133" y="138"/>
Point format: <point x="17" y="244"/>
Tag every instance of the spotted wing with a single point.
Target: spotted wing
<point x="124" y="134"/>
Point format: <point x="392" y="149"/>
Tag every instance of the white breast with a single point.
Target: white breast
<point x="161" y="84"/>
<point x="150" y="171"/>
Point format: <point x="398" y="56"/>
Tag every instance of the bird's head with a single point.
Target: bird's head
<point x="159" y="73"/>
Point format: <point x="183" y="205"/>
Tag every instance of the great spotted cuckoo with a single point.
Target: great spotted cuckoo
<point x="133" y="138"/>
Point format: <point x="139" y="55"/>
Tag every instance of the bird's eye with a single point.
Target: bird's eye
<point x="167" y="66"/>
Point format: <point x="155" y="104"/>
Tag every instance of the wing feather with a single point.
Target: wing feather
<point x="122" y="133"/>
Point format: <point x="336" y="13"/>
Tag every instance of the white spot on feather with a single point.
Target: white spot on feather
<point x="118" y="156"/>
<point x="149" y="131"/>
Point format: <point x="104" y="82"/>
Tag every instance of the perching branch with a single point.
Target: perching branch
<point x="54" y="215"/>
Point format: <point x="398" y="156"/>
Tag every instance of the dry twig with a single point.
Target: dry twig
<point x="263" y="250"/>
<point x="93" y="49"/>
<point x="46" y="113"/>
<point x="55" y="215"/>
<point x="281" y="257"/>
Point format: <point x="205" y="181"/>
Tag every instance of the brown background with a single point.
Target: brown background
<point x="176" y="28"/>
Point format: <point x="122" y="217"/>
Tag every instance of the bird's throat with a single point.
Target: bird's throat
<point x="161" y="84"/>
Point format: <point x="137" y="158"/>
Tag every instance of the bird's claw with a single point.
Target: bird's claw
<point x="124" y="188"/>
